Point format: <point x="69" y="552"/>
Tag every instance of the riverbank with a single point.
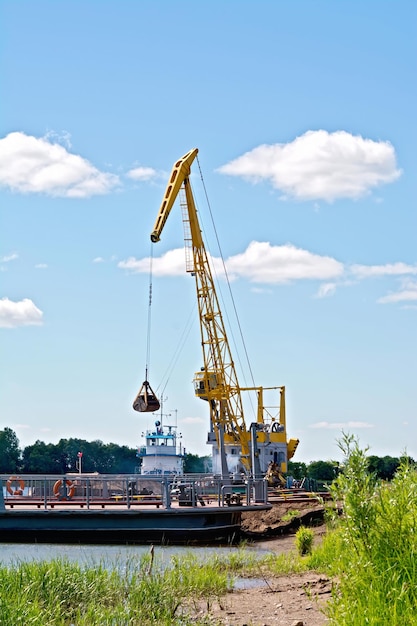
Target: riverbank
<point x="145" y="591"/>
<point x="284" y="600"/>
<point x="258" y="598"/>
<point x="277" y="600"/>
<point x="283" y="518"/>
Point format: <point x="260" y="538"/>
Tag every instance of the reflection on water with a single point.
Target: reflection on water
<point x="116" y="556"/>
<point x="249" y="583"/>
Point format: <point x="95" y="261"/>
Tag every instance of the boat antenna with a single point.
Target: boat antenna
<point x="162" y="407"/>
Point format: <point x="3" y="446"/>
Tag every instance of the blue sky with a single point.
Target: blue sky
<point x="304" y="117"/>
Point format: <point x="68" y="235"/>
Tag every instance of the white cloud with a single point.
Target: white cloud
<point x="320" y="165"/>
<point x="261" y="290"/>
<point x="264" y="263"/>
<point x="98" y="259"/>
<point x="408" y="287"/>
<point x="63" y="137"/>
<point x="172" y="263"/>
<point x="390" y="269"/>
<point x="192" y="420"/>
<point x="325" y="290"/>
<point x="35" y="165"/>
<point x="260" y="263"/>
<point x="341" y="425"/>
<point x="142" y="173"/>
<point x="41" y="266"/>
<point x="9" y="257"/>
<point x="407" y="293"/>
<point x="23" y="313"/>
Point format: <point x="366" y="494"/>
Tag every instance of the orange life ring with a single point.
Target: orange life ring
<point x="70" y="491"/>
<point x="15" y="491"/>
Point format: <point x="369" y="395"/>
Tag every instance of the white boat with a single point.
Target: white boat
<point x="162" y="453"/>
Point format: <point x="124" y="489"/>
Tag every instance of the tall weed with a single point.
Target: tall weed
<point x="378" y="529"/>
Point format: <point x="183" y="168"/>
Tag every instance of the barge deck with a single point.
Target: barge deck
<point x="125" y="508"/>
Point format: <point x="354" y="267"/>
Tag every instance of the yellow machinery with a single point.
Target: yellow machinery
<point x="247" y="449"/>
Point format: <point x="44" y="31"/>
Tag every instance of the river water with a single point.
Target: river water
<point x="111" y="556"/>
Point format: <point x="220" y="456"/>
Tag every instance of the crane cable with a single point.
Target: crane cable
<point x="146" y="401"/>
<point x="148" y="334"/>
<point x="177" y="352"/>
<point x="186" y="331"/>
<point x="227" y="278"/>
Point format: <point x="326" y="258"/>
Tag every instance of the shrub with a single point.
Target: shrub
<point x="304" y="540"/>
<point x="378" y="581"/>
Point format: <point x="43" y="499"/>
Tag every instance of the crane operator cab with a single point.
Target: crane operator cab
<point x="202" y="379"/>
<point x="146" y="400"/>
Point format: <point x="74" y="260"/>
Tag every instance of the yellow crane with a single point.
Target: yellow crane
<point x="265" y="441"/>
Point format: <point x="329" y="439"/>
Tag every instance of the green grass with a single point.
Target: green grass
<point x="63" y="593"/>
<point x="289" y="515"/>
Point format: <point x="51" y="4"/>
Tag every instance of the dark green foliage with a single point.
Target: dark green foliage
<point x="111" y="458"/>
<point x="9" y="452"/>
<point x="383" y="467"/>
<point x="41" y="458"/>
<point x="324" y="471"/>
<point x="194" y="464"/>
<point x="297" y="470"/>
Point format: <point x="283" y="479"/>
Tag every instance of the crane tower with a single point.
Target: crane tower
<point x="236" y="446"/>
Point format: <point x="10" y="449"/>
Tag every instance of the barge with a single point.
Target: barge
<point x="125" y="509"/>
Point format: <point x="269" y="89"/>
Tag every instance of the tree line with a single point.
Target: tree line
<point x="383" y="468"/>
<point x="63" y="457"/>
<point x="111" y="458"/>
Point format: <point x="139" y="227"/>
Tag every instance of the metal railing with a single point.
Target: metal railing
<point x="129" y="490"/>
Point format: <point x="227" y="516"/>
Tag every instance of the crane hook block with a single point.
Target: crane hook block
<point x="146" y="400"/>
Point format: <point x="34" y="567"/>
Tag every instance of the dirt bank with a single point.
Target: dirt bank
<point x="263" y="524"/>
<point x="278" y="600"/>
<point x="297" y="599"/>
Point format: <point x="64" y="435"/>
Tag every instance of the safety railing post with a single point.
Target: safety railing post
<point x="166" y="493"/>
<point x="2" y="505"/>
<point x="127" y="494"/>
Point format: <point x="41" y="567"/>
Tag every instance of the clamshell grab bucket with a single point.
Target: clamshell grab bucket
<point x="146" y="400"/>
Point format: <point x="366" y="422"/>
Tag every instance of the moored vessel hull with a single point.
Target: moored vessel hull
<point x="174" y="526"/>
<point x="124" y="509"/>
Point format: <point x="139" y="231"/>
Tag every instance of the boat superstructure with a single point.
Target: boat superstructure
<point x="162" y="454"/>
